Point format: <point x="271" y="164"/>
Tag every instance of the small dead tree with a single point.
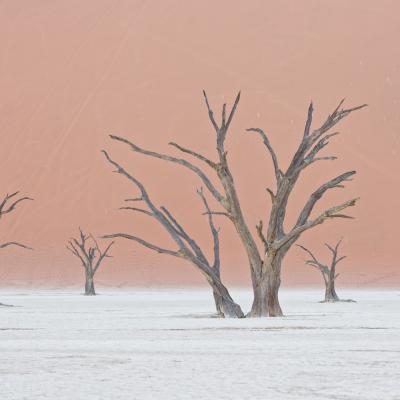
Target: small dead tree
<point x="7" y="205"/>
<point x="328" y="273"/>
<point x="265" y="266"/>
<point x="188" y="249"/>
<point x="91" y="256"/>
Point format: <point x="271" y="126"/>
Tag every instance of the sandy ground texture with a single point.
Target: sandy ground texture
<point x="164" y="344"/>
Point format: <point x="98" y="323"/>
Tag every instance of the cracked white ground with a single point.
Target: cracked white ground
<point x="163" y="344"/>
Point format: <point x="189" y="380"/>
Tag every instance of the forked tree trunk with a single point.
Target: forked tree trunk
<point x="330" y="293"/>
<point x="89" y="285"/>
<point x="266" y="301"/>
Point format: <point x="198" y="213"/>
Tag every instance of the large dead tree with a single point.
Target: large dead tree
<point x="188" y="249"/>
<point x="328" y="272"/>
<point x="265" y="266"/>
<point x="86" y="248"/>
<point x="277" y="242"/>
<point x="8" y="205"/>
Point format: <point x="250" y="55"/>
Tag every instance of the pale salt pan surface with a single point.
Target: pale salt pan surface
<point x="163" y="344"/>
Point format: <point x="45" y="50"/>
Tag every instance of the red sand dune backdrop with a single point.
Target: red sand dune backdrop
<point x="72" y="72"/>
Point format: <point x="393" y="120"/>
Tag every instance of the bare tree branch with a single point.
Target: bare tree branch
<point x="141" y="210"/>
<point x="333" y="119"/>
<point x="175" y="160"/>
<point x="155" y="211"/>
<point x="315" y="196"/>
<point x="278" y="172"/>
<point x="192" y="243"/>
<point x="143" y="243"/>
<point x="272" y="195"/>
<point x="218" y="213"/>
<point x="232" y="113"/>
<point x="135" y="199"/>
<point x="5" y="208"/>
<point x="340" y="259"/>
<point x="260" y="233"/>
<point x="102" y="255"/>
<point x="194" y="154"/>
<point x="214" y="232"/>
<point x="314" y="262"/>
<point x="3" y="245"/>
<point x="320" y="145"/>
<point x="72" y="248"/>
<point x="332" y="212"/>
<point x="309" y="120"/>
<point x="310" y="139"/>
<point x="210" y="113"/>
<point x="223" y="129"/>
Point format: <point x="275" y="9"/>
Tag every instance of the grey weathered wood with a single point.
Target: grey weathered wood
<point x="328" y="273"/>
<point x="187" y="248"/>
<point x="88" y="251"/>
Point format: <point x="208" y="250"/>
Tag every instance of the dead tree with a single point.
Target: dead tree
<point x="89" y="253"/>
<point x="328" y="273"/>
<point x="277" y="242"/>
<point x="9" y="204"/>
<point x="188" y="249"/>
<point x="265" y="266"/>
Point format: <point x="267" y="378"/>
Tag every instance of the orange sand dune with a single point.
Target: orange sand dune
<point x="71" y="72"/>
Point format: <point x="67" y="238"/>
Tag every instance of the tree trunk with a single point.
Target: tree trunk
<point x="89" y="285"/>
<point x="218" y="303"/>
<point x="266" y="301"/>
<point x="330" y="293"/>
<point x="224" y="303"/>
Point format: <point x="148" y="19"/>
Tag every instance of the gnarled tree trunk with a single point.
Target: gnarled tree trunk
<point x="224" y="303"/>
<point x="266" y="300"/>
<point x="218" y="303"/>
<point x="89" y="284"/>
<point x="330" y="293"/>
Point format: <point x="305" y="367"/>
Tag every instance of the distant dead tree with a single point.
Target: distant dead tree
<point x="91" y="256"/>
<point x="265" y="266"/>
<point x="187" y="248"/>
<point x="7" y="205"/>
<point x="328" y="272"/>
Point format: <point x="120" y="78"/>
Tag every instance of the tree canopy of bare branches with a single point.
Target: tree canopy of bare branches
<point x="265" y="266"/>
<point x="87" y="250"/>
